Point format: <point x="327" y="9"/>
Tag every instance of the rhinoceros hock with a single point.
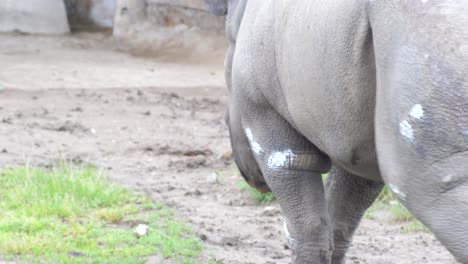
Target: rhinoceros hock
<point x="372" y="92"/>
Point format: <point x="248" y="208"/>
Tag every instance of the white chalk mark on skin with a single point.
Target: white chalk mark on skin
<point x="256" y="148"/>
<point x="288" y="235"/>
<point x="406" y="130"/>
<point x="417" y="111"/>
<point x="397" y="191"/>
<point x="280" y="159"/>
<point x="447" y="178"/>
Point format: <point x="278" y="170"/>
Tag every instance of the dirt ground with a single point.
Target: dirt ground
<point x="157" y="127"/>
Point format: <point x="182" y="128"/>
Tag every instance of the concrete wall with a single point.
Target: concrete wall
<point x="179" y="29"/>
<point x="85" y="15"/>
<point x="188" y="12"/>
<point x="55" y="16"/>
<point x="165" y="13"/>
<point x="33" y="16"/>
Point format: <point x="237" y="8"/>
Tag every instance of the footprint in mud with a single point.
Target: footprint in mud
<point x="7" y="120"/>
<point x="230" y="241"/>
<point x="184" y="151"/>
<point x="68" y="126"/>
<point x="78" y="109"/>
<point x="43" y="113"/>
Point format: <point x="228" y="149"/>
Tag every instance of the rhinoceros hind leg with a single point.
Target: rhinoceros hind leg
<point x="292" y="167"/>
<point x="348" y="198"/>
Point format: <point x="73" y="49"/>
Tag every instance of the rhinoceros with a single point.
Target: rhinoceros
<point x="372" y="92"/>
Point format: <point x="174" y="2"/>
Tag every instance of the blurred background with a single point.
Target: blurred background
<point x="50" y="16"/>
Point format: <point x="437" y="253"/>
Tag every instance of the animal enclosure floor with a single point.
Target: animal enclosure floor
<point x="157" y="127"/>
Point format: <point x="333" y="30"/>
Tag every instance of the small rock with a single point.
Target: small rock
<point x="230" y="241"/>
<point x="203" y="237"/>
<point x="141" y="230"/>
<point x="77" y="109"/>
<point x="212" y="178"/>
<point x="270" y="211"/>
<point x="7" y="120"/>
<point x="355" y="260"/>
<point x="4" y="151"/>
<point x="155" y="259"/>
<point x="194" y="193"/>
<point x="76" y="254"/>
<point x="227" y="155"/>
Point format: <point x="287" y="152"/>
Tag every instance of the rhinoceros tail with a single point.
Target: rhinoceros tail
<point x="257" y="182"/>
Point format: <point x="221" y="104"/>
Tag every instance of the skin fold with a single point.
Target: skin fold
<point x="372" y="92"/>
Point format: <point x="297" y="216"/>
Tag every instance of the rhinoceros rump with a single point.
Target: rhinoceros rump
<point x="370" y="91"/>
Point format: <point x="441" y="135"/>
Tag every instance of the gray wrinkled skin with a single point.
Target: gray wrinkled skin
<point x="371" y="91"/>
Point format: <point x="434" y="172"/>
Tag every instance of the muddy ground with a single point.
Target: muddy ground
<point x="157" y="126"/>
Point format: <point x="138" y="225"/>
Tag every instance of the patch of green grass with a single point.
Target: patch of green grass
<point x="258" y="197"/>
<point x="400" y="215"/>
<point x="75" y="215"/>
<point x="404" y="217"/>
<point x="386" y="196"/>
<point x="324" y="177"/>
<point x="370" y="214"/>
<point x="414" y="226"/>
